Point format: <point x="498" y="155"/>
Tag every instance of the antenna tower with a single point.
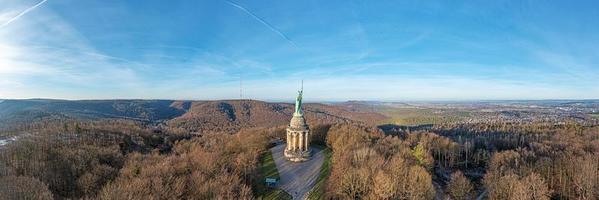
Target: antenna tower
<point x="240" y="87"/>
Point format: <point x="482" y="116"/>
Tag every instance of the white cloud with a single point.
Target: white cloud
<point x="17" y="16"/>
<point x="42" y="55"/>
<point x="45" y="52"/>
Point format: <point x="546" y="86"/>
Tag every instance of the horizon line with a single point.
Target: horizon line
<point x="307" y="101"/>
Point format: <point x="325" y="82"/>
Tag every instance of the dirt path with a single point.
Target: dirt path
<point x="297" y="179"/>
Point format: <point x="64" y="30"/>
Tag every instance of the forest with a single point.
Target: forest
<point x="124" y="159"/>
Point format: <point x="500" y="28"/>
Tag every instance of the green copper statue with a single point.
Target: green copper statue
<point x="298" y="101"/>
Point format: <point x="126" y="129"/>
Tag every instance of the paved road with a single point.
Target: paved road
<point x="297" y="178"/>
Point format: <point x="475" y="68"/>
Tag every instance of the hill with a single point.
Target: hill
<point x="231" y="115"/>
<point x="195" y="116"/>
<point x="26" y="111"/>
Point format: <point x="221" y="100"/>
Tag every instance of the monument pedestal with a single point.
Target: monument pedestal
<point x="297" y="155"/>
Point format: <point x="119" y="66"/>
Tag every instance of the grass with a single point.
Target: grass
<point x="317" y="191"/>
<point x="275" y="194"/>
<point x="596" y="115"/>
<point x="268" y="169"/>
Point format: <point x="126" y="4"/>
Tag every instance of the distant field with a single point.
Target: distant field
<point x="595" y="115"/>
<point x="419" y="116"/>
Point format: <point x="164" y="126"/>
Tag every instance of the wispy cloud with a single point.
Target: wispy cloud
<point x="51" y="58"/>
<point x="46" y="54"/>
<point x="259" y="19"/>
<point x="22" y="13"/>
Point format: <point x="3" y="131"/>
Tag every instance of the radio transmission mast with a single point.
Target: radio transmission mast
<point x="240" y="87"/>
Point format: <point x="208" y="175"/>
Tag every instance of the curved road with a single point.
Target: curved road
<point x="297" y="179"/>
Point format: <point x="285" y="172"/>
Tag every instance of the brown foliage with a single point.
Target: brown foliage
<point x="75" y="159"/>
<point x="367" y="165"/>
<point x="21" y="187"/>
<point x="459" y="187"/>
<point x="214" y="166"/>
<point x="74" y="170"/>
<point x="530" y="160"/>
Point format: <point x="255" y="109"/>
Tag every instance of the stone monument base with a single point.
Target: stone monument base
<point x="297" y="155"/>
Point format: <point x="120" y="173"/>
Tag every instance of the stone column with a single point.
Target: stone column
<point x="301" y="144"/>
<point x="292" y="135"/>
<point x="288" y="141"/>
<point x="294" y="140"/>
<point x="307" y="141"/>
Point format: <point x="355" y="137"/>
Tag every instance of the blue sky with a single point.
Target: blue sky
<point x="343" y="50"/>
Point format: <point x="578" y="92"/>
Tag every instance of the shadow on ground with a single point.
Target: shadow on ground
<point x="297" y="179"/>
